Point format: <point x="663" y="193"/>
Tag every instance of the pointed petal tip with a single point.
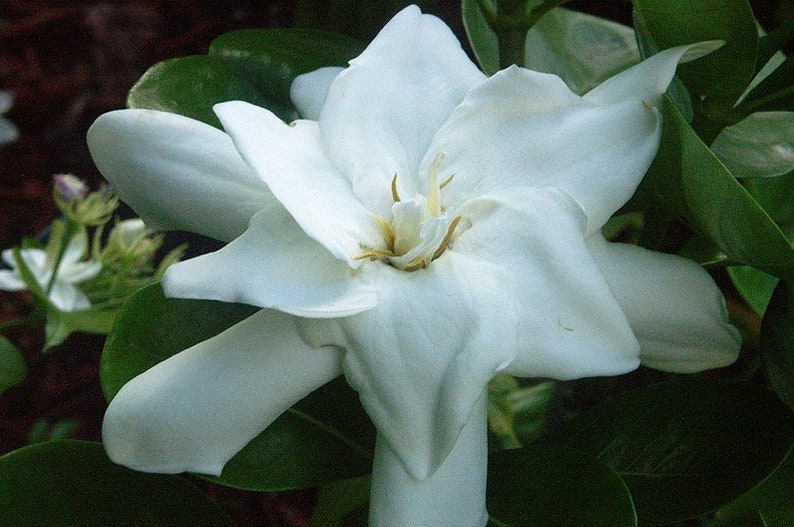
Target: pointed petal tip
<point x="700" y="49"/>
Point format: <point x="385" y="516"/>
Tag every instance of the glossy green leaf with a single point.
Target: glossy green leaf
<point x="581" y="49"/>
<point x="482" y="38"/>
<point x="341" y="503"/>
<point x="190" y="86"/>
<point x="770" y="502"/>
<point x="777" y="342"/>
<point x="13" y="369"/>
<point x="755" y="287"/>
<point x="688" y="180"/>
<point x="724" y="73"/>
<point x="325" y="437"/>
<point x="554" y="487"/>
<point x="61" y="324"/>
<point x="776" y="196"/>
<point x="270" y="59"/>
<point x="685" y="447"/>
<point x="775" y="92"/>
<point x="67" y="482"/>
<point x="760" y="145"/>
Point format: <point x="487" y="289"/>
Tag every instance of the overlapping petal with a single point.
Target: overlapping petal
<point x="421" y="359"/>
<point x="195" y="410"/>
<point x="541" y="134"/>
<point x="177" y="173"/>
<point x="674" y="307"/>
<point x="571" y="325"/>
<point x="273" y="265"/>
<point x="454" y="495"/>
<point x="308" y="91"/>
<point x="295" y="167"/>
<point x="381" y="112"/>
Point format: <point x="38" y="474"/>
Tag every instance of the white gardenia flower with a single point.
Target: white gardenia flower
<point x="63" y="293"/>
<point x="423" y="228"/>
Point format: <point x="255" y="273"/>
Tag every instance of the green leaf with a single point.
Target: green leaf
<point x="760" y="145"/>
<point x="770" y="502"/>
<point x="338" y="503"/>
<point x="775" y="92"/>
<point x="776" y="196"/>
<point x="481" y="37"/>
<point x="554" y="487"/>
<point x="723" y="74"/>
<point x="325" y="437"/>
<point x="61" y="324"/>
<point x="685" y="447"/>
<point x="687" y="180"/>
<point x="777" y="342"/>
<point x="190" y="86"/>
<point x="270" y="59"/>
<point x="755" y="287"/>
<point x="583" y="50"/>
<point x="13" y="369"/>
<point x="73" y="483"/>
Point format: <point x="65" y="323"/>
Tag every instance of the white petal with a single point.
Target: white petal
<point x="8" y="132"/>
<point x="177" y="173"/>
<point x="673" y="305"/>
<point x="381" y="112"/>
<point x="195" y="410"/>
<point x="11" y="281"/>
<point x="274" y="265"/>
<point x="648" y="80"/>
<point x="760" y="145"/>
<point x="523" y="128"/>
<point x="421" y="359"/>
<point x="570" y="324"/>
<point x="452" y="497"/>
<point x="308" y="91"/>
<point x="292" y="161"/>
<point x="67" y="297"/>
<point x="71" y="269"/>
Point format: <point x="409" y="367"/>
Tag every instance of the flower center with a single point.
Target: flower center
<point x="420" y="230"/>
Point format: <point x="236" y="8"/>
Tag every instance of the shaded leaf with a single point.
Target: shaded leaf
<point x="554" y="487"/>
<point x="268" y="60"/>
<point x="726" y="72"/>
<point x="777" y="342"/>
<point x="685" y="447"/>
<point x="755" y="287"/>
<point x="190" y="86"/>
<point x="13" y="369"/>
<point x="74" y="483"/>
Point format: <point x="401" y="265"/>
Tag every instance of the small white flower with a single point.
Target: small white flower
<point x="8" y="132"/>
<point x="422" y="229"/>
<point x="63" y="293"/>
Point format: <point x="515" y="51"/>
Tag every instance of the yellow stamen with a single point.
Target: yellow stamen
<point x="433" y="196"/>
<point x="446" y="182"/>
<point x="374" y="254"/>
<point x="388" y="231"/>
<point x="447" y="237"/>
<point x="394" y="194"/>
<point x="414" y="265"/>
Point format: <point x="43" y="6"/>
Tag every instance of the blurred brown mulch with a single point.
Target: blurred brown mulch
<point x="67" y="62"/>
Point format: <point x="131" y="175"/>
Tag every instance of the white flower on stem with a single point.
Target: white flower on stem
<point x="63" y="292"/>
<point x="422" y="229"/>
<point x="8" y="132"/>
